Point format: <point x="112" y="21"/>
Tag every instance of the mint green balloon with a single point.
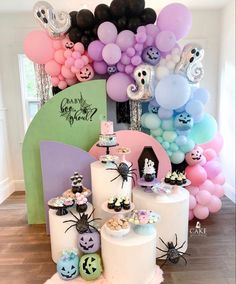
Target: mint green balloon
<point x="160" y="139"/>
<point x="174" y="147"/>
<point x="205" y="130"/>
<point x="169" y="153"/>
<point x="167" y="124"/>
<point x="157" y="132"/>
<point x="169" y="136"/>
<point x="177" y="157"/>
<point x="143" y="117"/>
<point x="188" y="146"/>
<point x="166" y="145"/>
<point x="152" y="121"/>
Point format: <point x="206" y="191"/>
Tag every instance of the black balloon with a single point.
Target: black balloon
<point x="73" y="15"/>
<point x="135" y="7"/>
<point x="75" y="35"/>
<point x="134" y="23"/>
<point x="85" y="40"/>
<point x="85" y="19"/>
<point x="95" y="29"/>
<point x="118" y="8"/>
<point x="148" y="16"/>
<point x="55" y="90"/>
<point x="102" y="13"/>
<point x="122" y="23"/>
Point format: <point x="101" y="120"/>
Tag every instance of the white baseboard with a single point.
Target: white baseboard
<point x="229" y="191"/>
<point x="19" y="185"/>
<point x="6" y="189"/>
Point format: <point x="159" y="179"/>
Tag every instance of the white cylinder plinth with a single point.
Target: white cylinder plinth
<point x="103" y="188"/>
<point x="173" y="210"/>
<point x="130" y="259"/>
<point x="59" y="239"/>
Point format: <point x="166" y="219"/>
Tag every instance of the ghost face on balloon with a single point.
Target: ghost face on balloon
<point x="183" y="121"/>
<point x="151" y="55"/>
<point x="195" y="156"/>
<point x="85" y="74"/>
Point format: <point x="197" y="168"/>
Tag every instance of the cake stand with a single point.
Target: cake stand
<point x="187" y="183"/>
<point x="147" y="185"/>
<point x="120" y="214"/>
<point x="61" y="210"/>
<point x="107" y="148"/>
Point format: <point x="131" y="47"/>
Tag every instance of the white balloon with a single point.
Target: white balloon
<point x="162" y="72"/>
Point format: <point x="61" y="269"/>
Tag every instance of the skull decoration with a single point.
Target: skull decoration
<point x="89" y="242"/>
<point x="195" y="156"/>
<point x="111" y="70"/>
<point x="85" y="74"/>
<point x="67" y="43"/>
<point x="90" y="266"/>
<point x="56" y="23"/>
<point x="68" y="266"/>
<point x="190" y="63"/>
<point x="183" y="121"/>
<point x="143" y="91"/>
<point x="151" y="55"/>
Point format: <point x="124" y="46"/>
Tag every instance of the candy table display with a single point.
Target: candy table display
<point x="59" y="239"/>
<point x="130" y="259"/>
<point x="173" y="210"/>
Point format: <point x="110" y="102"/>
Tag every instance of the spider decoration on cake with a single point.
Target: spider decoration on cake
<point x="124" y="171"/>
<point x="173" y="253"/>
<point x="83" y="223"/>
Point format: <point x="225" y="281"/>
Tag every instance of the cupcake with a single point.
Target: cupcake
<point x="111" y="203"/>
<point x="117" y="206"/>
<point x="172" y="180"/>
<point x="126" y="204"/>
<point x="184" y="178"/>
<point x="179" y="180"/>
<point x="167" y="177"/>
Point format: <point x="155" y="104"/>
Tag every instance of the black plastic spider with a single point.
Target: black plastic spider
<point x="82" y="224"/>
<point x="124" y="171"/>
<point x="173" y="254"/>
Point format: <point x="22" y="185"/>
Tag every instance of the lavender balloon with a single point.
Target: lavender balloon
<point x="125" y="39"/>
<point x="100" y="67"/>
<point x="111" y="53"/>
<point x="165" y="41"/>
<point x="107" y="32"/>
<point x="151" y="55"/>
<point x="95" y="50"/>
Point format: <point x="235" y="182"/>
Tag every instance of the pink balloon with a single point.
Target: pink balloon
<point x="149" y="41"/>
<point x="208" y="186"/>
<point x="111" y="53"/>
<point x="53" y="68"/>
<point x="72" y="81"/>
<point x="193" y="190"/>
<point x="100" y="67"/>
<point x="138" y="47"/>
<point x="61" y="78"/>
<point x="220" y="179"/>
<point x="219" y="191"/>
<point x="95" y="50"/>
<point x="38" y="47"/>
<point x="165" y="41"/>
<point x="196" y="174"/>
<point x="125" y="39"/>
<point x="203" y="197"/>
<point x="69" y="62"/>
<point x="59" y="56"/>
<point x="79" y="47"/>
<point x="141" y="37"/>
<point x="62" y="85"/>
<point x="190" y="215"/>
<point x="107" y="32"/>
<point x="152" y="30"/>
<point x="68" y="53"/>
<point x="176" y="18"/>
<point x="117" y="87"/>
<point x="79" y="63"/>
<point x="73" y="69"/>
<point x="66" y="72"/>
<point x="192" y="201"/>
<point x="85" y="59"/>
<point x="214" y="205"/>
<point x="213" y="168"/>
<point x="57" y="44"/>
<point x="201" y="212"/>
<point x="195" y="156"/>
<point x="210" y="154"/>
<point x="55" y="81"/>
<point x="216" y="143"/>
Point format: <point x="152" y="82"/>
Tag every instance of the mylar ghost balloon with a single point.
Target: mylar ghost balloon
<point x="90" y="266"/>
<point x="143" y="90"/>
<point x="183" y="121"/>
<point x="195" y="156"/>
<point x="89" y="242"/>
<point x="85" y="74"/>
<point x="190" y="63"/>
<point x="68" y="266"/>
<point x="151" y="55"/>
<point x="54" y="22"/>
<point x="111" y="70"/>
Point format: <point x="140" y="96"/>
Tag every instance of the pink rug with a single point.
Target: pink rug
<point x="55" y="279"/>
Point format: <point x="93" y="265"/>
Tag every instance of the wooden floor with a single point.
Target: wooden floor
<point x="25" y="250"/>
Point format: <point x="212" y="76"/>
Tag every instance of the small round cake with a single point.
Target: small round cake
<point x="107" y="137"/>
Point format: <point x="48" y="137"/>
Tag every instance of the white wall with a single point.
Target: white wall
<point x="226" y="110"/>
<point x="13" y="28"/>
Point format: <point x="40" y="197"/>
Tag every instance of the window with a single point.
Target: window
<point x="30" y="101"/>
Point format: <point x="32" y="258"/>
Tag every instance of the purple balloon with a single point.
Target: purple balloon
<point x="129" y="69"/>
<point x="152" y="30"/>
<point x="117" y="86"/>
<point x="120" y="67"/>
<point x="136" y="60"/>
<point x="95" y="50"/>
<point x="125" y="39"/>
<point x="111" y="53"/>
<point x="165" y="41"/>
<point x="130" y="51"/>
<point x="107" y="32"/>
<point x="176" y="18"/>
<point x="213" y="168"/>
<point x="125" y="59"/>
<point x="100" y="67"/>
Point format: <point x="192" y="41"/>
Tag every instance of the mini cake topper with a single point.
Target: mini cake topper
<point x="149" y="171"/>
